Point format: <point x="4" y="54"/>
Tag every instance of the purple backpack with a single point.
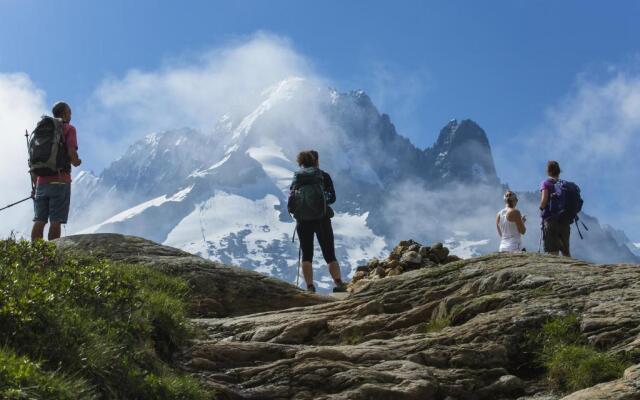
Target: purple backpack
<point x="565" y="202"/>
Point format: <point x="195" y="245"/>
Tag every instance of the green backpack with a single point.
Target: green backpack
<point x="307" y="201"/>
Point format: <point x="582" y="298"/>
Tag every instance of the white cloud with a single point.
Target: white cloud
<point x="397" y="92"/>
<point x="260" y="83"/>
<point x="193" y="91"/>
<point x="599" y="122"/>
<point x="594" y="132"/>
<point x="413" y="211"/>
<point x="21" y="105"/>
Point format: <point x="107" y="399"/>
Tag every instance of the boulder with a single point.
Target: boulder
<point x="217" y="290"/>
<point x="424" y="251"/>
<point x="411" y="258"/>
<point x="414" y="247"/>
<point x="362" y="268"/>
<point x="358" y="275"/>
<point x="394" y="272"/>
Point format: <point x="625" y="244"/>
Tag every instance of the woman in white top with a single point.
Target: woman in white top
<point x="510" y="224"/>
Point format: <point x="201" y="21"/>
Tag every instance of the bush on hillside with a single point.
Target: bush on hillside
<point x="88" y="328"/>
<point x="570" y="362"/>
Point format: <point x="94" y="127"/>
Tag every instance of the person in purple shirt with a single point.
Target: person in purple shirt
<point x="555" y="233"/>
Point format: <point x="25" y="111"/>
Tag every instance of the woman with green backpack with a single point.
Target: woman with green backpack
<point x="311" y="194"/>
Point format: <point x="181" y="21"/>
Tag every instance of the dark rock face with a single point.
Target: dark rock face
<point x="382" y="341"/>
<point x="216" y="290"/>
<point x="462" y="153"/>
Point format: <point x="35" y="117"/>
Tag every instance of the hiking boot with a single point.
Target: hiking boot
<point x="340" y="288"/>
<point x="311" y="288"/>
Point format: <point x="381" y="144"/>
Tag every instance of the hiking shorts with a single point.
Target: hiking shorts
<point x="556" y="236"/>
<point x="52" y="202"/>
<point x="324" y="231"/>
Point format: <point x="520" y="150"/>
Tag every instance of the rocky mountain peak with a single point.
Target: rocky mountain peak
<point x="456" y="133"/>
<point x="463" y="153"/>
<point x="153" y="164"/>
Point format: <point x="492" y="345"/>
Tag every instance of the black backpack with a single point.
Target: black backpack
<point x="307" y="201"/>
<point x="48" y="154"/>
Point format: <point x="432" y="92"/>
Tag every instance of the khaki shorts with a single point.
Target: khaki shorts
<point x="556" y="236"/>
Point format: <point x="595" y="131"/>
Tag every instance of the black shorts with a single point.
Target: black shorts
<point x="556" y="236"/>
<point x="324" y="231"/>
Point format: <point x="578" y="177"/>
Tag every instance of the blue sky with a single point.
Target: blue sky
<point x="509" y="65"/>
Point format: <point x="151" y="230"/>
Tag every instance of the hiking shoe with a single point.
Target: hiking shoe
<point x="311" y="289"/>
<point x="340" y="288"/>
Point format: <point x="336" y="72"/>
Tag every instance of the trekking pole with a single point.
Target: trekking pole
<point x="33" y="187"/>
<point x="541" y="237"/>
<point x="578" y="227"/>
<point x="16" y="203"/>
<point x="299" y="266"/>
<point x="26" y="134"/>
<point x="293" y="240"/>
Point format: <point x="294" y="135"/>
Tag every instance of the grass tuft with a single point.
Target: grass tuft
<point x="21" y="378"/>
<point x="571" y="363"/>
<point x="438" y="323"/>
<point x="89" y="328"/>
<point x="574" y="367"/>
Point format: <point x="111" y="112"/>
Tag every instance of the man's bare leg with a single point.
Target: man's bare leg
<point x="37" y="232"/>
<point x="54" y="230"/>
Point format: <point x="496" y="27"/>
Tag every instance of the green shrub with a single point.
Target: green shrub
<point x="560" y="331"/>
<point x="575" y="367"/>
<point x="114" y="326"/>
<point x="570" y="362"/>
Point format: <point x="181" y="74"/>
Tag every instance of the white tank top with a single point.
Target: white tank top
<point x="511" y="240"/>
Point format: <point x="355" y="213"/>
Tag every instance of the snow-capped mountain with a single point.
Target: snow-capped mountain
<point x="222" y="194"/>
<point x="623" y="239"/>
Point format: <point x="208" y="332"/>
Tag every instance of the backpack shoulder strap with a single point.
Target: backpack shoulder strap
<point x="59" y="125"/>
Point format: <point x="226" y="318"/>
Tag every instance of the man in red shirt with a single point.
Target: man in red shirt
<point x="52" y="195"/>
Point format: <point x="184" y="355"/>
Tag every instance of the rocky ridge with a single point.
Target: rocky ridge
<point x="450" y="331"/>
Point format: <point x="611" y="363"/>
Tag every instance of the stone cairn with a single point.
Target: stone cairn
<point x="408" y="255"/>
